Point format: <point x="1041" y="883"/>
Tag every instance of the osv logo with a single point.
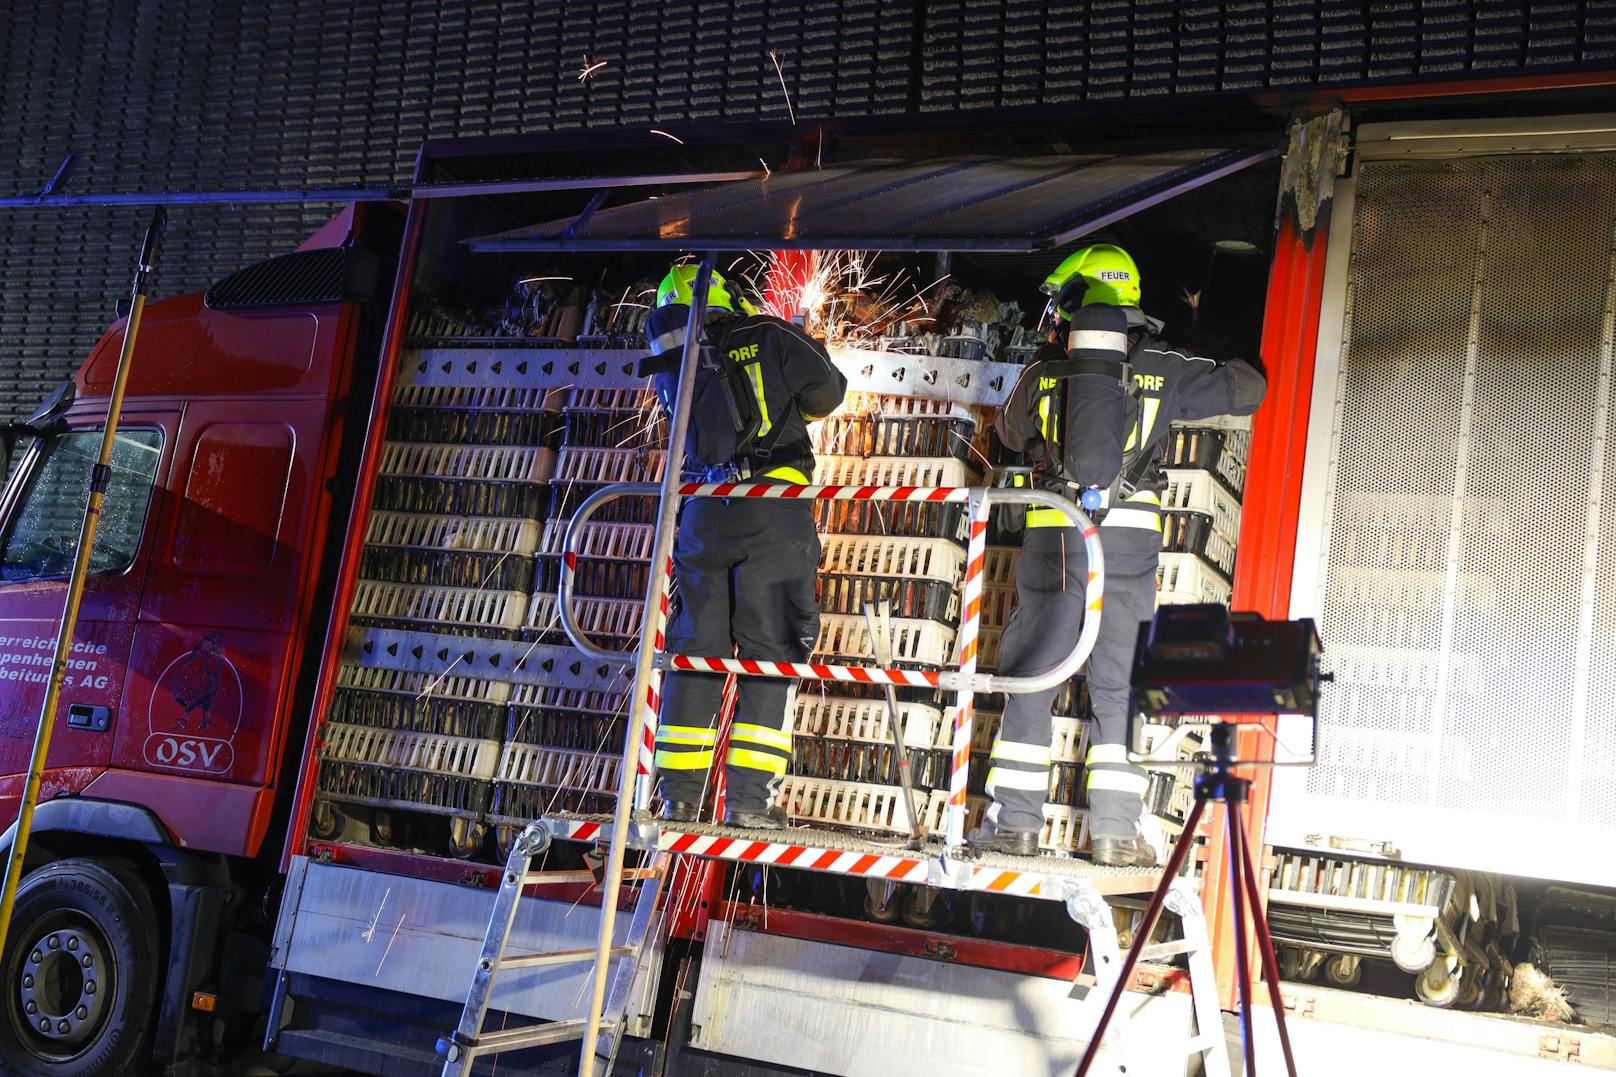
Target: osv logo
<point x="196" y="710"/>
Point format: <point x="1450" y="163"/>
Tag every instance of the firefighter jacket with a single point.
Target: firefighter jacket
<point x="1168" y="386"/>
<point x="792" y="379"/>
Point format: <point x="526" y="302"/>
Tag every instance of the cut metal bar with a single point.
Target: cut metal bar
<point x="878" y="615"/>
<point x="544" y="877"/>
<point x="558" y="957"/>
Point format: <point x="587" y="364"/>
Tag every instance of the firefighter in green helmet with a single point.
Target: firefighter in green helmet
<point x="1090" y="413"/>
<point x="745" y="568"/>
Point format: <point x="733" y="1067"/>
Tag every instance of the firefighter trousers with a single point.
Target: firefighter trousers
<point x="1051" y="576"/>
<point x="744" y="572"/>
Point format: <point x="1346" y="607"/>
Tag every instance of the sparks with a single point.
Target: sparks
<point x="535" y="280"/>
<point x="665" y="134"/>
<point x="782" y="75"/>
<point x="765" y="164"/>
<point x="588" y="68"/>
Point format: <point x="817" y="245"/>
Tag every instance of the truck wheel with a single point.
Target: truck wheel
<point x="80" y="971"/>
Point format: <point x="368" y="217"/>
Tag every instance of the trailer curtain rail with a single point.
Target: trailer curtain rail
<point x="345" y="194"/>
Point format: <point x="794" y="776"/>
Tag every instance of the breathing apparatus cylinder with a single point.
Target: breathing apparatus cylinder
<point x="1096" y="399"/>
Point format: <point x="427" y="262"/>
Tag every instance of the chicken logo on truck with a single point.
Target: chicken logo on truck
<point x="195" y="709"/>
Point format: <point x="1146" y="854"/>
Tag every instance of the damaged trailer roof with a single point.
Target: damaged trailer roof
<point x="1014" y="204"/>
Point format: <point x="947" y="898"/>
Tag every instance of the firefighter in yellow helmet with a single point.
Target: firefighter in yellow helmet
<point x="745" y="567"/>
<point x="1090" y="413"/>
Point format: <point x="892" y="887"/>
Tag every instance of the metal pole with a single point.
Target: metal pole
<point x="99" y="478"/>
<point x="661" y="546"/>
<point x="1265" y="945"/>
<point x="1236" y="835"/>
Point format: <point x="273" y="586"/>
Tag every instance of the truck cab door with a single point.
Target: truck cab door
<point x="43" y="509"/>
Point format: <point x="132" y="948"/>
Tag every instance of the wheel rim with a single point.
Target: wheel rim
<point x="63" y="982"/>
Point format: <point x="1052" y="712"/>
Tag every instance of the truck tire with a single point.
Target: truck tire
<point x="80" y="973"/>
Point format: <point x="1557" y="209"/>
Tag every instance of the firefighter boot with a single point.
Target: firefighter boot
<point x="1132" y="852"/>
<point x="771" y="818"/>
<point x="1011" y="841"/>
<point x="678" y="811"/>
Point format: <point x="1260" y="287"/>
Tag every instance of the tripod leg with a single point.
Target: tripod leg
<point x="1265" y="949"/>
<point x="1146" y="925"/>
<point x="1235" y="838"/>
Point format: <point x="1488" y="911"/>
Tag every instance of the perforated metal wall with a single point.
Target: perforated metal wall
<point x="1467" y="590"/>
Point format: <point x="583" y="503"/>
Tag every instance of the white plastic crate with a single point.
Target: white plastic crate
<point x="611" y="400"/>
<point x="847" y="636"/>
<point x="1201" y="492"/>
<point x="486" y="399"/>
<point x="987" y="648"/>
<point x="826" y="802"/>
<point x="984" y="727"/>
<point x="397" y="681"/>
<point x="600" y="539"/>
<point x="997" y="602"/>
<point x="555" y="697"/>
<point x="440" y="605"/>
<point x="596" y="616"/>
<point x="892" y="471"/>
<point x="1069" y="740"/>
<point x="864" y="720"/>
<point x="582" y="463"/>
<point x="888" y="555"/>
<point x="1066" y="829"/>
<point x="492" y="534"/>
<point x="488" y="463"/>
<point x="1185" y="578"/>
<point x="1231" y="463"/>
<point x="1217" y="549"/>
<point x="999" y="566"/>
<point x="560" y="768"/>
<point x="403" y="749"/>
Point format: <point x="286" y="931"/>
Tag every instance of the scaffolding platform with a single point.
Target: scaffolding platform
<point x="1052" y="878"/>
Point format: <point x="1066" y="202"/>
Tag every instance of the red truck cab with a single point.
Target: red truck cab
<point x="210" y="584"/>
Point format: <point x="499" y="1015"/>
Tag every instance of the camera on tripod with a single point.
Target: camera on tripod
<point x="1206" y="663"/>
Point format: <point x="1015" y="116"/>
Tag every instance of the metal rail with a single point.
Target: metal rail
<point x="966" y="682"/>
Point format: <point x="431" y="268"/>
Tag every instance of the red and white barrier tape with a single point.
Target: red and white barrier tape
<point x="899" y="866"/>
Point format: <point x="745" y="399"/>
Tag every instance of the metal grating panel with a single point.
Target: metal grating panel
<point x="1467" y="584"/>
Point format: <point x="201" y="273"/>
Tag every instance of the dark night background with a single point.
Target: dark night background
<point x="191" y="95"/>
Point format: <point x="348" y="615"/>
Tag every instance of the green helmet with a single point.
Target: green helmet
<point x="678" y="287"/>
<point x="1107" y="272"/>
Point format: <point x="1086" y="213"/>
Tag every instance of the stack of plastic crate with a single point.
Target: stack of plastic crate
<point x="844" y="770"/>
<point x="563" y="746"/>
<point x="1205" y="471"/>
<point x="449" y="547"/>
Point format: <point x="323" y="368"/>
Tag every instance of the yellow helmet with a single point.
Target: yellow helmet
<point x="1107" y="272"/>
<point x="678" y="287"/>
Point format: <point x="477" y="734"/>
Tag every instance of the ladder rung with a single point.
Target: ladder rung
<point x="1159" y="950"/>
<point x="629" y="875"/>
<point x="560" y="957"/>
<point x="1200" y="1044"/>
<point x="515" y="1039"/>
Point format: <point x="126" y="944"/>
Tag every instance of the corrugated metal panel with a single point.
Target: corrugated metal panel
<point x="969" y="203"/>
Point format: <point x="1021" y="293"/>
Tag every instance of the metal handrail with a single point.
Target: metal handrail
<point x="984" y="496"/>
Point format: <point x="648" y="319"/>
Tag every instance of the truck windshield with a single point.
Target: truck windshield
<point x="44" y="533"/>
